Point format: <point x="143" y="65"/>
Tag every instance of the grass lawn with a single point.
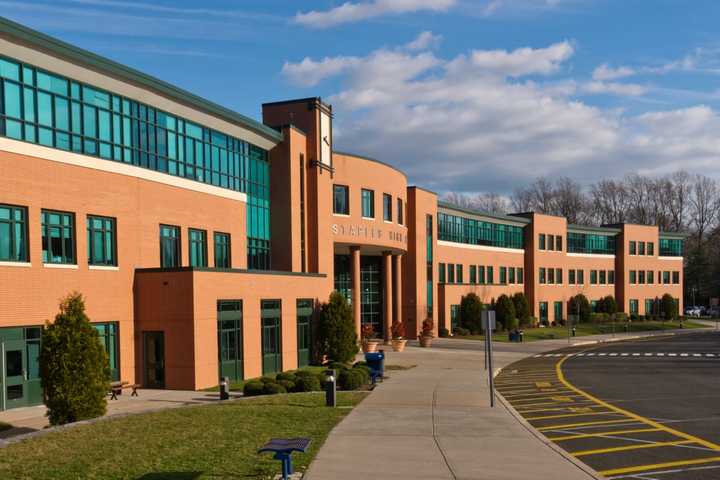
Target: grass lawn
<point x="583" y="329"/>
<point x="213" y="441"/>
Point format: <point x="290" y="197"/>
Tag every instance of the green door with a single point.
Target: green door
<point x="271" y="336"/>
<point x="154" y="359"/>
<point x="15" y="374"/>
<point x="454" y="317"/>
<point x="304" y="331"/>
<point x="543" y="313"/>
<point x="230" y="338"/>
<point x="557" y="306"/>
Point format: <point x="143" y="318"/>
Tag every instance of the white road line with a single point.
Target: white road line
<point x="660" y="354"/>
<point x="648" y="354"/>
<point x="613" y="354"/>
<point x="635" y="354"/>
<point x="683" y="354"/>
<point x="580" y="354"/>
<point x="590" y="354"/>
<point x="709" y="354"/>
<point x="601" y="354"/>
<point x="672" y="354"/>
<point x="696" y="355"/>
<point x="624" y="354"/>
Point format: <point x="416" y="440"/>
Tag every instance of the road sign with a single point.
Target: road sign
<point x="485" y="317"/>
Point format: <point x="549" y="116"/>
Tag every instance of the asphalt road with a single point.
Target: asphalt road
<point x="641" y="410"/>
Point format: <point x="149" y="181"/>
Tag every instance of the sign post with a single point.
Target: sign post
<point x="487" y="318"/>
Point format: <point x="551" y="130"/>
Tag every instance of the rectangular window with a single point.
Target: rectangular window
<point x="169" y="246"/>
<point x="473" y="274"/>
<point x="368" y="203"/>
<point x="676" y="278"/>
<point x="429" y="263"/>
<point x="581" y="277"/>
<point x="603" y="277"/>
<point x="542" y="275"/>
<point x="557" y="311"/>
<point x="650" y="248"/>
<point x="558" y="243"/>
<point x="649" y="306"/>
<point x="571" y="277"/>
<point x="503" y="275"/>
<point x="13" y="234"/>
<point x="551" y="242"/>
<point x="230" y="338"/>
<point x="109" y="338"/>
<point x="611" y="277"/>
<point x="222" y="251"/>
<point x="511" y="275"/>
<point x="551" y="276"/>
<point x="541" y="241"/>
<point x="341" y="199"/>
<point x="641" y="277"/>
<point x="400" y="219"/>
<point x="441" y="273"/>
<point x="101" y="241"/>
<point x="520" y="278"/>
<point x="593" y="277"/>
<point x="197" y="244"/>
<point x="481" y="274"/>
<point x="666" y="278"/>
<point x="271" y="337"/>
<point x="543" y="312"/>
<point x="634" y="307"/>
<point x="650" y="277"/>
<point x="641" y="248"/>
<point x="451" y="273"/>
<point x="490" y="275"/>
<point x="459" y="273"/>
<point x="633" y="277"/>
<point x="58" y="237"/>
<point x="387" y="207"/>
<point x="633" y="248"/>
<point x="558" y="276"/>
<point x="304" y="309"/>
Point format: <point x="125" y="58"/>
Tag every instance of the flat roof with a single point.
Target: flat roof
<point x="519" y="221"/>
<point x="86" y="58"/>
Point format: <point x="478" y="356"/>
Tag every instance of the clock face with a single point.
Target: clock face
<point x="326" y="136"/>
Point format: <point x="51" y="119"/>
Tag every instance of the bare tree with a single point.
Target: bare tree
<point x="678" y="200"/>
<point x="704" y="203"/>
<point x="569" y="201"/>
<point x="608" y="202"/>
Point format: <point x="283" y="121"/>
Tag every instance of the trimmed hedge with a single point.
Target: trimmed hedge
<point x="253" y="388"/>
<point x="273" y="388"/>
<point x="307" y="384"/>
<point x="351" y="379"/>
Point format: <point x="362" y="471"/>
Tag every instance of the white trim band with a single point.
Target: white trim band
<point x="103" y="267"/>
<point x="486" y="248"/>
<point x="670" y="258"/>
<point x="591" y="255"/>
<point x="112" y="166"/>
<point x="67" y="266"/>
<point x="16" y="264"/>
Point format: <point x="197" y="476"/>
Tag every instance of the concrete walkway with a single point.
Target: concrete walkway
<point x="434" y="422"/>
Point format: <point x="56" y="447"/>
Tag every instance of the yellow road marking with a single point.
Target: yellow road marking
<point x="584" y="424"/>
<point x="540" y="404"/>
<point x="647" y="421"/>
<point x="629" y="447"/>
<point x="565" y="415"/>
<point x="601" y="434"/>
<point x="558" y="409"/>
<point x="543" y="384"/>
<point x="658" y="466"/>
<point x="562" y="399"/>
<point x="534" y="395"/>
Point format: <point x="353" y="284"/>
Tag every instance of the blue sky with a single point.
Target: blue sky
<point x="469" y="96"/>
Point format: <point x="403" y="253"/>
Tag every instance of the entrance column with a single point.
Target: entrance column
<point x="397" y="260"/>
<point x="387" y="288"/>
<point x="356" y="293"/>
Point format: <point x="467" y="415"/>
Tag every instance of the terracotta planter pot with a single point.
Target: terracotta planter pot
<point x="398" y="345"/>
<point x="426" y="341"/>
<point x="370" y="346"/>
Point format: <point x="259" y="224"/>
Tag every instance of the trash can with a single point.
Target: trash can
<point x="376" y="363"/>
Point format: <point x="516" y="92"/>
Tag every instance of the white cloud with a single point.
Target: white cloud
<point x="426" y="40"/>
<point x="614" y="88"/>
<point x="495" y="7"/>
<point x="350" y="12"/>
<point x="605" y="72"/>
<point x="475" y="122"/>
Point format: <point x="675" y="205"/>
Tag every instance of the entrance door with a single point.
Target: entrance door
<point x="154" y="359"/>
<point x="304" y="331"/>
<point x="15" y="374"/>
<point x="371" y="308"/>
<point x="271" y="337"/>
<point x="230" y="338"/>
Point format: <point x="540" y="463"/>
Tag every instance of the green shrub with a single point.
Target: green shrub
<point x="74" y="367"/>
<point x="533" y="321"/>
<point x="462" y="332"/>
<point x="338" y="366"/>
<point x="289" y="376"/>
<point x="621" y="317"/>
<point x="470" y="309"/>
<point x="599" y="317"/>
<point x="336" y="335"/>
<point x="607" y="305"/>
<point x="266" y="380"/>
<point x="287" y="384"/>
<point x="513" y="324"/>
<point x="522" y="308"/>
<point x="669" y="307"/>
<point x="579" y="305"/>
<point x="253" y="388"/>
<point x="505" y="311"/>
<point x="304" y="373"/>
<point x="307" y="384"/>
<point x="350" y="379"/>
<point x="364" y="370"/>
<point x="443" y="332"/>
<point x="273" y="389"/>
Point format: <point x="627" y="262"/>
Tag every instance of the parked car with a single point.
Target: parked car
<point x="714" y="311"/>
<point x="692" y="311"/>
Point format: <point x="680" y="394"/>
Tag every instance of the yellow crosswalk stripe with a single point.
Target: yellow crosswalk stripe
<point x="601" y="434"/>
<point x="659" y="466"/>
<point x="585" y="424"/>
<point x="566" y="415"/>
<point x="625" y="448"/>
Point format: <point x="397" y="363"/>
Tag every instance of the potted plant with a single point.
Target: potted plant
<point x="426" y="334"/>
<point x="369" y="344"/>
<point x="398" y="336"/>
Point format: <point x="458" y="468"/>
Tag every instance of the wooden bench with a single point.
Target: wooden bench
<point x="116" y="389"/>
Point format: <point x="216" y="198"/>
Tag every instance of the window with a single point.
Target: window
<point x="511" y="275"/>
<point x="481" y="274"/>
<point x="459" y="273"/>
<point x="490" y="275"/>
<point x="581" y="277"/>
<point x="13" y="234"/>
<point x="270" y="320"/>
<point x="387" y="207"/>
<point x="108" y="334"/>
<point x="454" y="317"/>
<point x="634" y="307"/>
<point x="603" y="277"/>
<point x="542" y="275"/>
<point x="341" y="199"/>
<point x="633" y="250"/>
<point x="611" y="277"/>
<point x="541" y="241"/>
<point x="633" y="277"/>
<point x="641" y="277"/>
<point x="557" y="311"/>
<point x="101" y="240"/>
<point x="593" y="277"/>
<point x="451" y="273"/>
<point x="198" y="247"/>
<point x="473" y="274"/>
<point x="304" y="331"/>
<point x="649" y="306"/>
<point x="169" y="246"/>
<point x="222" y="250"/>
<point x="590" y="243"/>
<point x="503" y="275"/>
<point x="543" y="312"/>
<point x="671" y="247"/>
<point x="650" y="248"/>
<point x="368" y="203"/>
<point x="641" y="248"/>
<point x="666" y="278"/>
<point x="400" y="219"/>
<point x="441" y="273"/>
<point x="458" y="229"/>
<point x="551" y="276"/>
<point x="558" y="243"/>
<point x="650" y="277"/>
<point x="571" y="277"/>
<point x="429" y="262"/>
<point x="558" y="276"/>
<point x="230" y="338"/>
<point x="551" y="242"/>
<point x="58" y="237"/>
<point x="676" y="278"/>
<point x="520" y="278"/>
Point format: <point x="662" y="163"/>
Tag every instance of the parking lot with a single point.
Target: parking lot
<point x="644" y="409"/>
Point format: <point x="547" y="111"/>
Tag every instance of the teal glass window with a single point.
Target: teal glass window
<point x="13" y="234"/>
<point x="304" y="331"/>
<point x="558" y="276"/>
<point x="511" y="275"/>
<point x="634" y="307"/>
<point x="650" y="248"/>
<point x="490" y="275"/>
<point x="58" y="237"/>
<point x="591" y="243"/>
<point x="611" y="277"/>
<point x="368" y="203"/>
<point x="633" y="277"/>
<point x="593" y="277"/>
<point x="459" y="270"/>
<point x="603" y="277"/>
<point x="197" y="244"/>
<point x="650" y="277"/>
<point x="169" y="246"/>
<point x="441" y="273"/>
<point x="641" y="277"/>
<point x="481" y="274"/>
<point x="558" y="243"/>
<point x="551" y="242"/>
<point x="581" y="277"/>
<point x="571" y="277"/>
<point x="230" y="338"/>
<point x="222" y="250"/>
<point x="641" y="248"/>
<point x="400" y="216"/>
<point x="666" y="277"/>
<point x="551" y="276"/>
<point x="671" y="247"/>
<point x="451" y="273"/>
<point x="341" y="199"/>
<point x="520" y="276"/>
<point x="453" y="228"/>
<point x="503" y="275"/>
<point x="473" y="274"/>
<point x="543" y="312"/>
<point x="541" y="241"/>
<point x="387" y="207"/>
<point x="101" y="241"/>
<point x="542" y="277"/>
<point x="108" y="333"/>
<point x="676" y="278"/>
<point x="633" y="248"/>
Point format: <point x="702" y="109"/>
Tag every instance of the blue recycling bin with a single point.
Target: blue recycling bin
<point x="376" y="363"/>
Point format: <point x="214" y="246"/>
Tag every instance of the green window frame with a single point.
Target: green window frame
<point x="558" y="276"/>
<point x="473" y="274"/>
<point x="400" y="210"/>
<point x="641" y="248"/>
<point x="593" y="277"/>
<point x="633" y="247"/>
<point x="541" y="276"/>
<point x="230" y="339"/>
<point x="581" y="277"/>
<point x="641" y="277"/>
<point x="490" y="275"/>
<point x="459" y="273"/>
<point x="454" y="317"/>
<point x="58" y="237"/>
<point x="551" y="242"/>
<point x="543" y="307"/>
<point x="520" y="275"/>
<point x="671" y="247"/>
<point x="649" y="306"/>
<point x="481" y="274"/>
<point x="557" y="311"/>
<point x="571" y="277"/>
<point x="603" y="277"/>
<point x="558" y="243"/>
<point x="634" y="307"/>
<point x="666" y="277"/>
<point x="441" y="273"/>
<point x="511" y="275"/>
<point x="551" y="276"/>
<point x="650" y="277"/>
<point x="271" y="337"/>
<point x="13" y="234"/>
<point x="170" y="246"/>
<point x="222" y="250"/>
<point x="304" y="312"/>
<point x="611" y="277"/>
<point x="453" y="228"/>
<point x="197" y="246"/>
<point x="451" y="273"/>
<point x="367" y="198"/>
<point x="676" y="277"/>
<point x="102" y="241"/>
<point x="633" y="277"/>
<point x="578" y="242"/>
<point x="541" y="241"/>
<point x="341" y="199"/>
<point x="387" y="207"/>
<point x="651" y="249"/>
<point x="109" y="335"/>
<point x="503" y="275"/>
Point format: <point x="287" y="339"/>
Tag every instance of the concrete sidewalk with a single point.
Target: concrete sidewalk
<point x="434" y="422"/>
